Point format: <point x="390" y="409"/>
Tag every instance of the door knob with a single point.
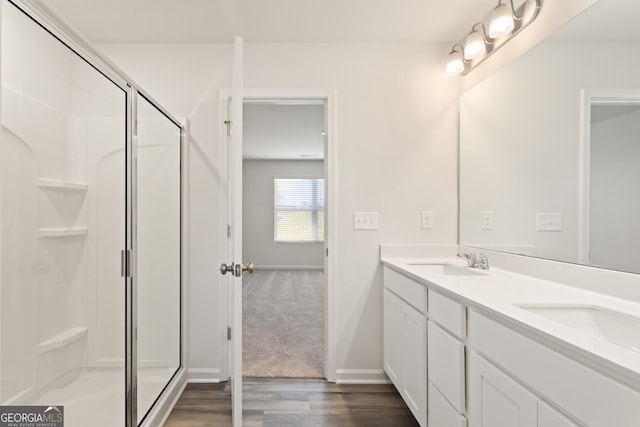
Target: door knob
<point x="248" y="267"/>
<point x="240" y="268"/>
<point x="224" y="268"/>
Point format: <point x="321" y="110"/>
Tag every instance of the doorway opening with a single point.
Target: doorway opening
<point x="284" y="235"/>
<point x="609" y="170"/>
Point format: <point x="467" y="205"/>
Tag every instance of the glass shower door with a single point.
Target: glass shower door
<point x="62" y="226"/>
<point x="158" y="253"/>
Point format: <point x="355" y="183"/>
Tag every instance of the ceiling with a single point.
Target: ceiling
<point x="600" y="113"/>
<point x="283" y="131"/>
<point x="271" y="21"/>
<point x="315" y="21"/>
<point x="614" y="21"/>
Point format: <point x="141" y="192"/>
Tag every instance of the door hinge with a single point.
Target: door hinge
<point x="125" y="263"/>
<point x="228" y="333"/>
<point x="327" y="251"/>
<point x="228" y="123"/>
<point x="229" y="231"/>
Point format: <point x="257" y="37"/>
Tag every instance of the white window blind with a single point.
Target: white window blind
<point x="298" y="209"/>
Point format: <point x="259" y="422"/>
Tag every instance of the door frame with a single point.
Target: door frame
<point x="589" y="98"/>
<point x="328" y="96"/>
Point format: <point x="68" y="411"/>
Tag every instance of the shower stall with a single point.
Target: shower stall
<point x="90" y="235"/>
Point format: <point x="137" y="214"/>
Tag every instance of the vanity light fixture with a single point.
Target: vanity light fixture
<point x="455" y="63"/>
<point x="501" y="22"/>
<point x="476" y="43"/>
<point x="504" y="22"/>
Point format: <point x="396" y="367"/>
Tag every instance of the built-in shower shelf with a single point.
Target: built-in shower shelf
<point x="62" y="232"/>
<point x="62" y="185"/>
<point x="62" y="339"/>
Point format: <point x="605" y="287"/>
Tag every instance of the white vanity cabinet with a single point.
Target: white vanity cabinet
<point x="496" y="400"/>
<point x="548" y="416"/>
<point x="460" y="362"/>
<point x="393" y="309"/>
<point x="519" y="364"/>
<point x="446" y="332"/>
<point x="405" y="340"/>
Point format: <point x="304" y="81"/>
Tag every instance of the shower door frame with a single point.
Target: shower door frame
<point x="58" y="29"/>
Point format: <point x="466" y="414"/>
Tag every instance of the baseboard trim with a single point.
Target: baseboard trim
<point x="203" y="375"/>
<point x="361" y="376"/>
<point x="289" y="267"/>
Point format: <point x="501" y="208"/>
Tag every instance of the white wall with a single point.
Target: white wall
<point x="258" y="245"/>
<point x="396" y="154"/>
<point x="614" y="234"/>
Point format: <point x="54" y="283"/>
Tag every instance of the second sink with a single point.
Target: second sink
<point x="617" y="328"/>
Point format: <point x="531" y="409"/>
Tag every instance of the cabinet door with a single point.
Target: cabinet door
<point x="496" y="400"/>
<point x="549" y="417"/>
<point x="414" y="353"/>
<point x="392" y="336"/>
<point x="446" y="365"/>
<point x="441" y="413"/>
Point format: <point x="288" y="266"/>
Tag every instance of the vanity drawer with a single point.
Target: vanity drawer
<point x="409" y="290"/>
<point x="448" y="313"/>
<point x="441" y="414"/>
<point x="446" y="365"/>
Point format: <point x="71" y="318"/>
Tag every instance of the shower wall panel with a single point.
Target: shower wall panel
<point x="61" y="294"/>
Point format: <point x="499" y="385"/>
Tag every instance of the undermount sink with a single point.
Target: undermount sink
<point x="445" y="269"/>
<point x="618" y="328"/>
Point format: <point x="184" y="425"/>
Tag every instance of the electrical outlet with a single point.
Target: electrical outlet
<point x="365" y="220"/>
<point x="427" y="219"/>
<point x="549" y="222"/>
<point x="486" y="220"/>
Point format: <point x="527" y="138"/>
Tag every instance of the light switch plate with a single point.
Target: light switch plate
<point x="365" y="220"/>
<point x="427" y="219"/>
<point x="486" y="220"/>
<point x="549" y="222"/>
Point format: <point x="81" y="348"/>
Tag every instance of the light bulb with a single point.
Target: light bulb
<point x="474" y="46"/>
<point x="455" y="63"/>
<point x="501" y="21"/>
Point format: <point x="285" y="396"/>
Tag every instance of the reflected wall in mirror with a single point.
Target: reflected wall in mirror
<point x="550" y="146"/>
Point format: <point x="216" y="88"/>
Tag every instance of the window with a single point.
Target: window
<point x="298" y="209"/>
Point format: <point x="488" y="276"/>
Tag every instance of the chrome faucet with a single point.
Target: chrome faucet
<point x="471" y="259"/>
<point x="475" y="262"/>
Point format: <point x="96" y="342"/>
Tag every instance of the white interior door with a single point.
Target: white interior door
<point x="235" y="240"/>
<point x="232" y="267"/>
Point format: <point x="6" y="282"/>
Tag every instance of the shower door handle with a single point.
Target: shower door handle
<point x="125" y="263"/>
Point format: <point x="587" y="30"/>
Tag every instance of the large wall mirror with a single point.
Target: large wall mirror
<point x="550" y="146"/>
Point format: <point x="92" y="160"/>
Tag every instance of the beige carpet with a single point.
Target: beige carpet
<point x="283" y="324"/>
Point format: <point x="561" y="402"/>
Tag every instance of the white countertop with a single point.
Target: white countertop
<point x="499" y="292"/>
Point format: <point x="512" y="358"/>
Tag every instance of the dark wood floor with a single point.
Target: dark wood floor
<point x="293" y="403"/>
